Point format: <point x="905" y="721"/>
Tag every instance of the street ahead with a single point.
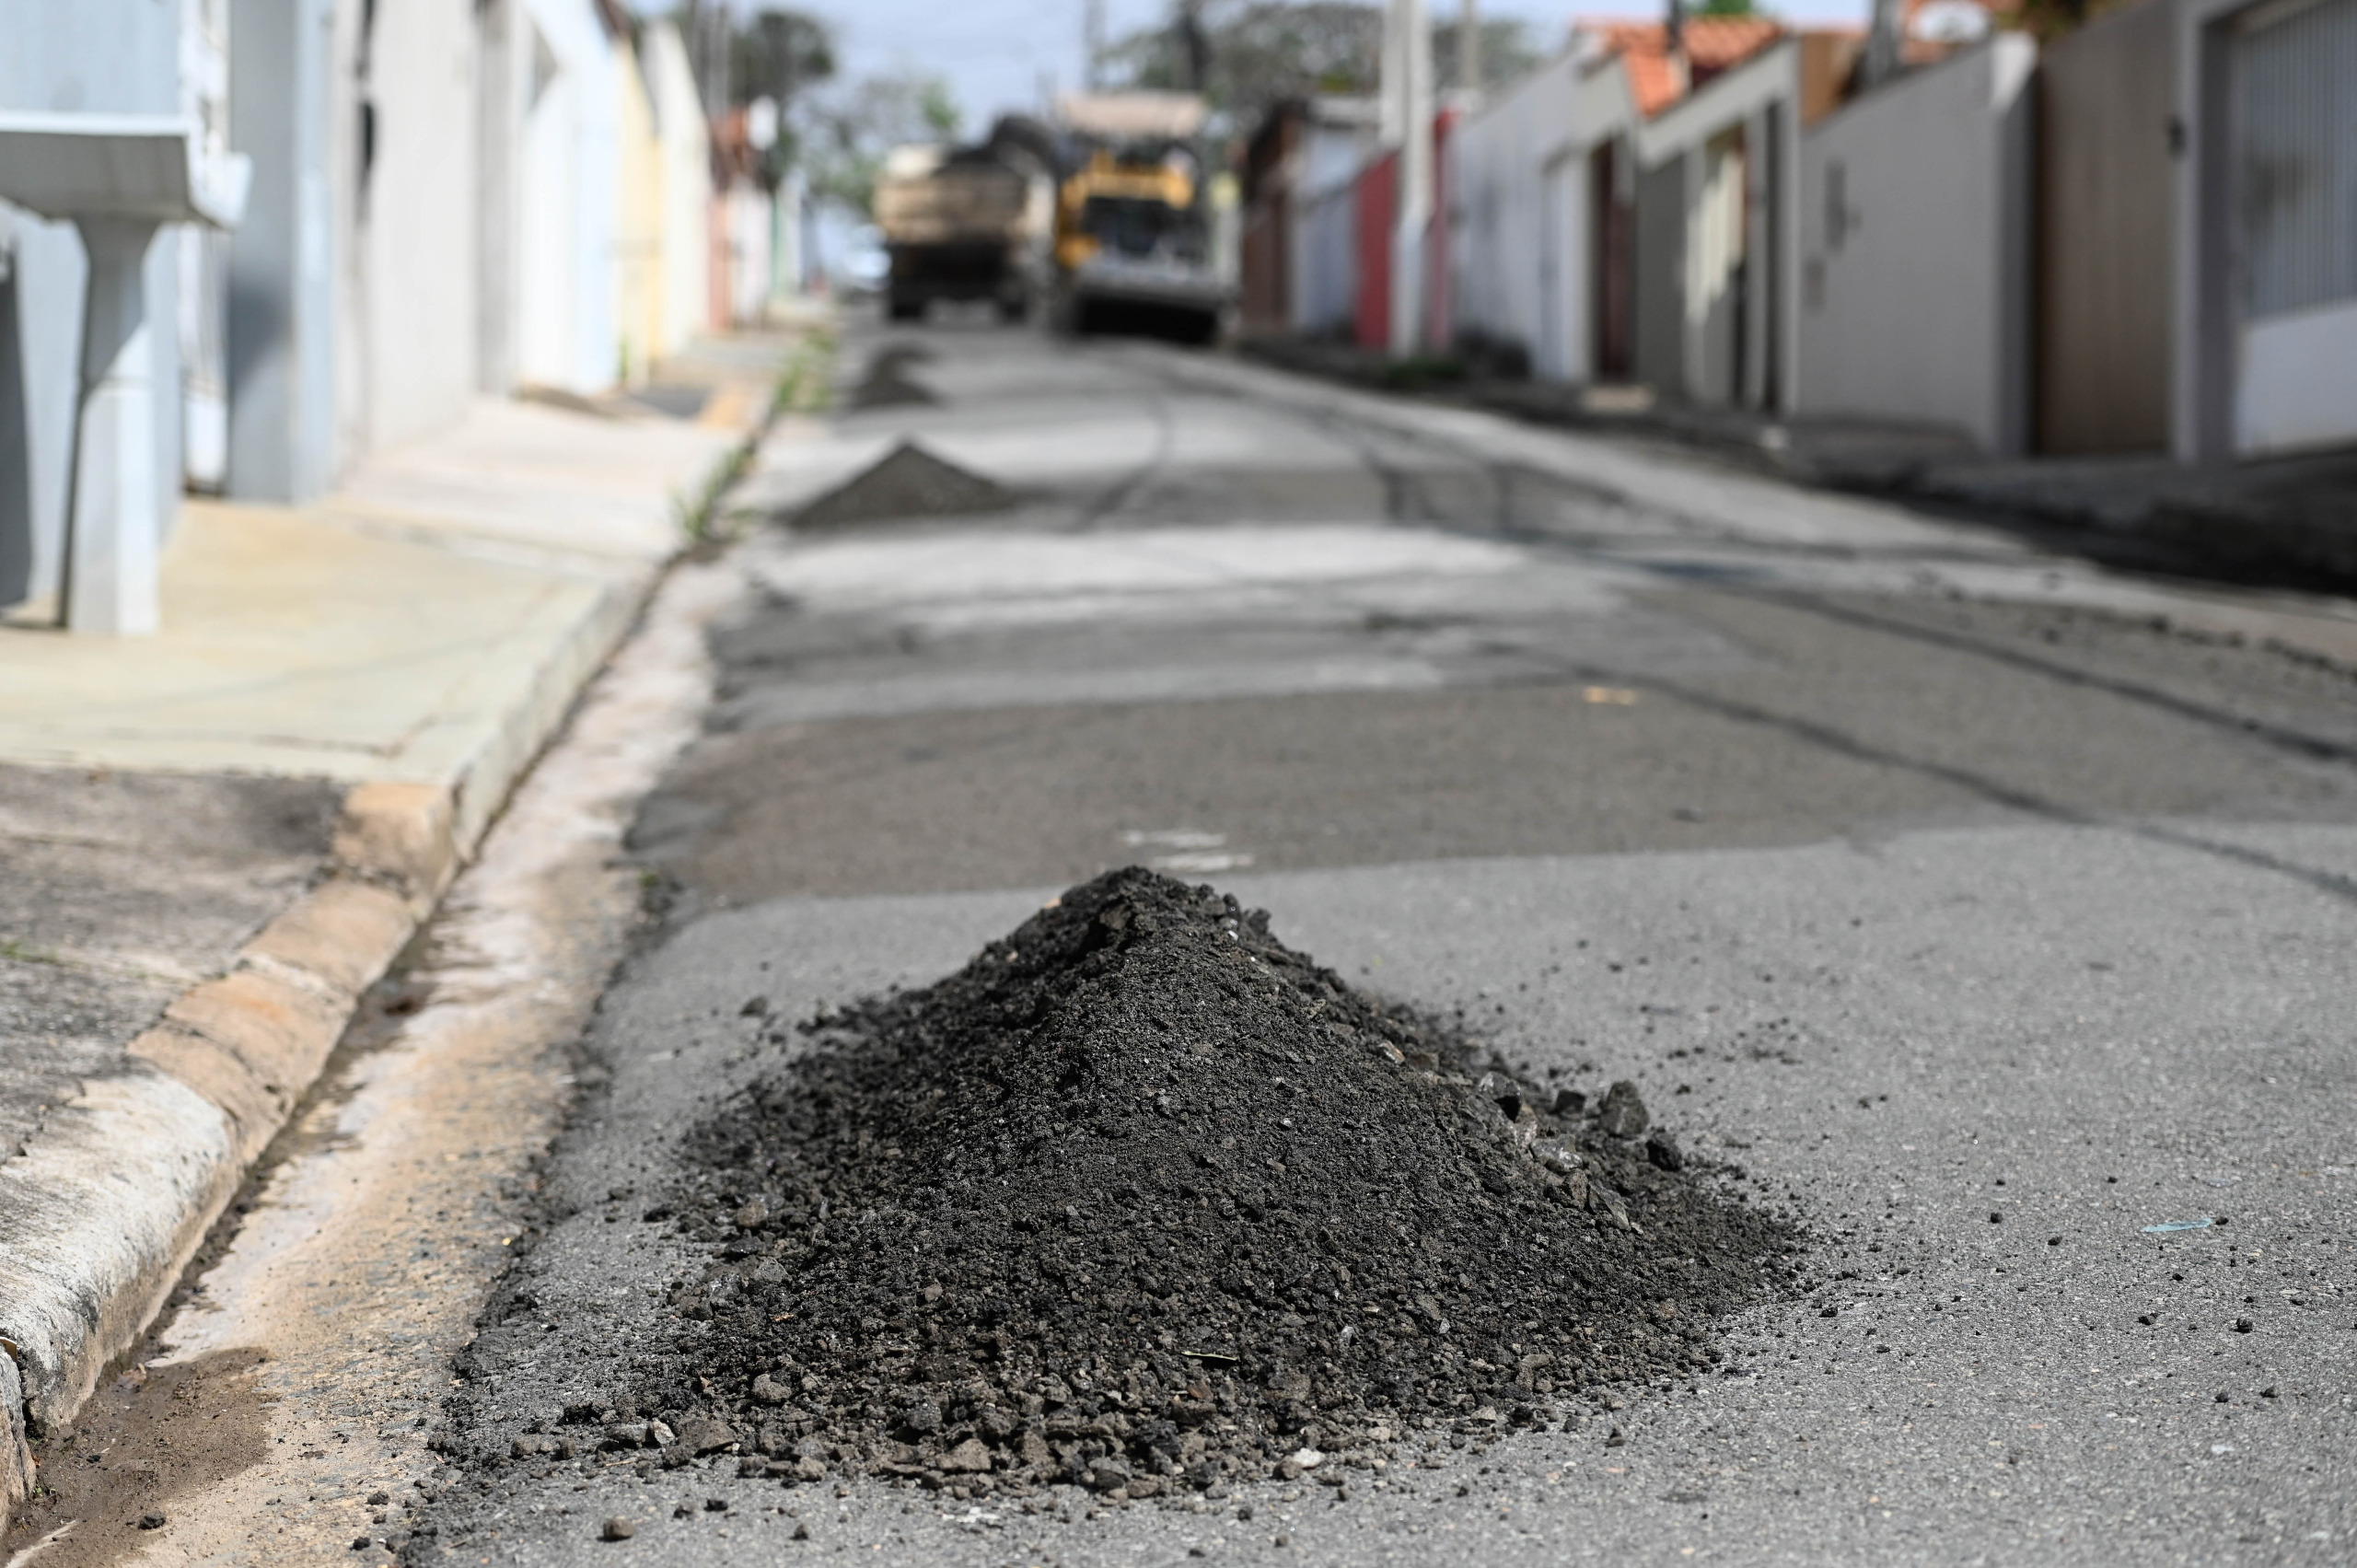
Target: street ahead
<point x="1988" y="910"/>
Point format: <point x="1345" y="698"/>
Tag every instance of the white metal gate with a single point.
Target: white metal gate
<point x="2295" y="194"/>
<point x="203" y="256"/>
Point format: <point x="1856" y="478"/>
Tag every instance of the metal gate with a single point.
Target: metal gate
<point x="2295" y="198"/>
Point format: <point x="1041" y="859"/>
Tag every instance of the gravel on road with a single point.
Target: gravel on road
<point x="1143" y="1200"/>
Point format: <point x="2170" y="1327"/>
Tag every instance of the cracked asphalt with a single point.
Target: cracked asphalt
<point x="1987" y="909"/>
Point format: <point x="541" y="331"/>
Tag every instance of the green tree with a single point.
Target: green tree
<point x="775" y="53"/>
<point x="848" y="132"/>
<point x="1256" y="54"/>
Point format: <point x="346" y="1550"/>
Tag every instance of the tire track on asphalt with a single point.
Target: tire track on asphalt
<point x="1996" y="791"/>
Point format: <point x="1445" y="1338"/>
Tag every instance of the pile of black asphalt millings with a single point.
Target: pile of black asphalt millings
<point x="1144" y="1199"/>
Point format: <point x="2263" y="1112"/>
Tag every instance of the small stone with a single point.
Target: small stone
<point x="1996" y="1218"/>
<point x="1557" y="1155"/>
<point x="1108" y="1475"/>
<point x="659" y="1435"/>
<point x="801" y="1532"/>
<point x="2268" y="1392"/>
<point x="617" y="1529"/>
<point x="1622" y="1112"/>
<point x="767" y="1391"/>
<point x="2243" y="1324"/>
<point x="152" y="1520"/>
<point x="702" y="1435"/>
<point x="752" y="1216"/>
<point x="1662" y="1151"/>
<point x="1613" y="1439"/>
<point x="531" y="1444"/>
<point x="757" y="1007"/>
<point x="378" y="1499"/>
<point x="967" y="1458"/>
<point x="362" y="1543"/>
<point x="1306" y="1458"/>
<point x="806" y="1469"/>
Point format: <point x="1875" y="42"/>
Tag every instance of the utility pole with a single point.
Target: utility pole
<point x="1193" y="47"/>
<point x="1408" y="51"/>
<point x="1092" y="44"/>
<point x="1882" y="60"/>
<point x="1468" y="48"/>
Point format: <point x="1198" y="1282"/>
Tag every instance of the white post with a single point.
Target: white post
<point x="1411" y="234"/>
<point x="110" y="579"/>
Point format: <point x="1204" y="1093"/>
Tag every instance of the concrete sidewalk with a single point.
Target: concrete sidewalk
<point x="214" y="840"/>
<point x="2285" y="522"/>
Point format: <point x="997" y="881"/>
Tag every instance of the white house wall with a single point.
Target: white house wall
<point x="1521" y="247"/>
<point x="1916" y="269"/>
<point x="687" y="185"/>
<point x="1760" y="98"/>
<point x="1324" y="210"/>
<point x="567" y="200"/>
<point x="1325" y="261"/>
<point x="415" y="224"/>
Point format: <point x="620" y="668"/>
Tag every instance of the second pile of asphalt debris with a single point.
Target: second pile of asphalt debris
<point x="1142" y="1199"/>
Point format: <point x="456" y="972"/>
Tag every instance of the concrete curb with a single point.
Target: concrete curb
<point x="100" y="1216"/>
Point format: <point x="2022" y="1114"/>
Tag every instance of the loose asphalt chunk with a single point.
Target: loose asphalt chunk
<point x="1144" y="1200"/>
<point x="907" y="482"/>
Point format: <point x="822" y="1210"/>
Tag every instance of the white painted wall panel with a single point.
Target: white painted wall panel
<point x="2299" y="381"/>
<point x="1521" y="247"/>
<point x="1914" y="296"/>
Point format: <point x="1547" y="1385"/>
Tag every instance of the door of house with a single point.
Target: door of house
<point x="1717" y="246"/>
<point x="1612" y="228"/>
<point x="2294" y="174"/>
<point x="1550" y="360"/>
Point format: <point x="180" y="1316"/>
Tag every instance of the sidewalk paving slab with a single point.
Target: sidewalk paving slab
<point x="213" y="841"/>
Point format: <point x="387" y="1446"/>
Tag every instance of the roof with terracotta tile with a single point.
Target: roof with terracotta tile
<point x="1713" y="44"/>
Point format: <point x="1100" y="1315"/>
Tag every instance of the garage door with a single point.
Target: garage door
<point x="2295" y="177"/>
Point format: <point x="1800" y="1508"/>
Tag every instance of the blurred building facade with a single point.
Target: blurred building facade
<point x="2139" y="236"/>
<point x="450" y="199"/>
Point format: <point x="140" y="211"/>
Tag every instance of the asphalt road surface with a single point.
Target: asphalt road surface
<point x="1988" y="908"/>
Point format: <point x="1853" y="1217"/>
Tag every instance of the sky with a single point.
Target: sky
<point x="996" y="53"/>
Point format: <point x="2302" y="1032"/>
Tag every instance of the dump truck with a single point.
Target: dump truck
<point x="958" y="224"/>
<point x="1133" y="225"/>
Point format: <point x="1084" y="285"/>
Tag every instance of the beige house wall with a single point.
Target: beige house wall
<point x="638" y="236"/>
